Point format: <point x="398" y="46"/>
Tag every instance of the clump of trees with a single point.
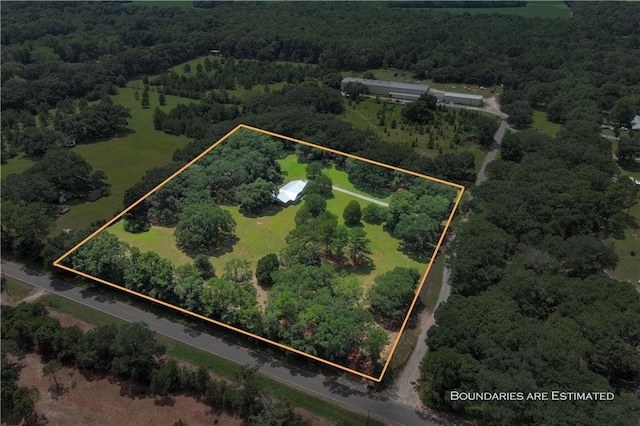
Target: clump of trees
<point x="130" y="352"/>
<point x="391" y="295"/>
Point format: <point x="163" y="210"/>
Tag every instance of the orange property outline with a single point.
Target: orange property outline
<point x="255" y="336"/>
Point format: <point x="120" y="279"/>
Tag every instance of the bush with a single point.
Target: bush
<point x="374" y="214"/>
<point x="352" y="213"/>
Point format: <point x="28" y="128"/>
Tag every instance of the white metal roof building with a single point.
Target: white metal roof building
<point x="291" y="192"/>
<point x="382" y="87"/>
<point x="635" y="123"/>
<point x="463" y="98"/>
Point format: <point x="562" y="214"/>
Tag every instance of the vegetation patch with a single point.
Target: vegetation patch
<point x="315" y="274"/>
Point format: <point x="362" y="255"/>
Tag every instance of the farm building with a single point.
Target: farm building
<point x="291" y="192"/>
<point x="462" y="99"/>
<point x="635" y="123"/>
<point x="381" y="87"/>
<point x="404" y="96"/>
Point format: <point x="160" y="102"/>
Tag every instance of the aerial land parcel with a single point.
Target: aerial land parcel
<point x="320" y="276"/>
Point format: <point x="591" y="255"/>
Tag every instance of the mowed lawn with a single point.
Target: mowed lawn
<point x="18" y="164"/>
<point x="124" y="159"/>
<point x="541" y="123"/>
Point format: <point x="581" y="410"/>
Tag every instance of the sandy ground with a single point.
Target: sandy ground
<point x="104" y="401"/>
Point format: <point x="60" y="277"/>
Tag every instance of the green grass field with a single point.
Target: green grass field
<point x="541" y="123"/>
<point x="18" y="164"/>
<point x="628" y="268"/>
<point x="363" y="115"/>
<point x="125" y="159"/>
<point x="533" y="9"/>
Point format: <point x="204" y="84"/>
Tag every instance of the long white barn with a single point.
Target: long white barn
<point x="291" y="192"/>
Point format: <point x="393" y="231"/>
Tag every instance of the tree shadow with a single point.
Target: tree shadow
<point x="269" y="211"/>
<point x="214" y="252"/>
<point x="363" y="268"/>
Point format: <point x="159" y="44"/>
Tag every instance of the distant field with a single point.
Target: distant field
<point x="541" y="123"/>
<point x="153" y="3"/>
<point x="628" y="268"/>
<point x="125" y="160"/>
<point x="17" y="164"/>
<point x="533" y="9"/>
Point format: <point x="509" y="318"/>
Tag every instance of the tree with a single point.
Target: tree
<point x="50" y="369"/>
<point x="164" y="378"/>
<point x="204" y="227"/>
<point x="314" y="205"/>
<point x="265" y="267"/>
<point x="135" y="352"/>
<point x="162" y="100"/>
<point x="520" y="114"/>
<point x="313" y="170"/>
<point x="392" y="293"/>
<point x="376" y="341"/>
<point x="121" y="81"/>
<point x="418" y="232"/>
<point x="256" y="196"/>
<point x="354" y="90"/>
<point x="204" y="266"/>
<point x="136" y="95"/>
<point x="374" y="214"/>
<point x="38" y="140"/>
<point x="623" y="111"/>
<point x="352" y="213"/>
<point x="320" y="184"/>
<point x="25" y="228"/>
<point x="186" y="68"/>
<point x="358" y="246"/>
<point x="628" y="149"/>
<point x="237" y="271"/>
<point x="422" y="110"/>
<point x="145" y="98"/>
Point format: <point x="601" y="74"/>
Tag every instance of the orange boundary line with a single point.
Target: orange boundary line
<point x="461" y="188"/>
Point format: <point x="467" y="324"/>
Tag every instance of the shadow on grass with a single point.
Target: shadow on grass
<point x="217" y="252"/>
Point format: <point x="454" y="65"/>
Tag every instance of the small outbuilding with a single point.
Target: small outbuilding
<point x="291" y="192"/>
<point x="635" y="123"/>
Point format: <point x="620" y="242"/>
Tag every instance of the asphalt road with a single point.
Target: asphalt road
<point x="377" y="406"/>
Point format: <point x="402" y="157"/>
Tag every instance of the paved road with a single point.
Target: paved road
<point x="362" y="197"/>
<point x="378" y="406"/>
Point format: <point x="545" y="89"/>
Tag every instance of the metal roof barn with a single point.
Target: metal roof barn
<point x="291" y="192"/>
<point x="382" y="87"/>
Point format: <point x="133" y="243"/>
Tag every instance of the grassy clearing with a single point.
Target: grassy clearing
<point x="15" y="291"/>
<point x="541" y="123"/>
<point x="18" y="164"/>
<point x="124" y="159"/>
<point x="219" y="366"/>
<point x="533" y="9"/>
<point x="628" y="268"/>
<point x="363" y="115"/>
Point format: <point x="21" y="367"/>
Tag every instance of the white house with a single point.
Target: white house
<point x="291" y="192"/>
<point x="635" y="123"/>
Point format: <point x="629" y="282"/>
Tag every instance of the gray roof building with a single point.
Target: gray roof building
<point x="383" y="87"/>
<point x="463" y="98"/>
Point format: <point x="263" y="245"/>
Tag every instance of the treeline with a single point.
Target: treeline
<point x="529" y="263"/>
<point x="54" y="56"/>
<point x="228" y="73"/>
<point x="454" y="4"/>
<point x="129" y="352"/>
<point x="72" y="123"/>
<point x="244" y="158"/>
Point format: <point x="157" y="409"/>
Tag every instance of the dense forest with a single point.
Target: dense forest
<point x="531" y="308"/>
